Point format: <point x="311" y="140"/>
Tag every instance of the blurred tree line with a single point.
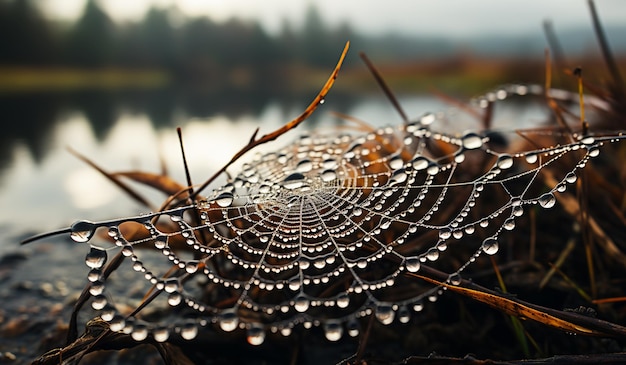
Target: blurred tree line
<point x="238" y="52"/>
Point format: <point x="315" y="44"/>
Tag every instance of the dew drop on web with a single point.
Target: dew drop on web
<point x="385" y="314"/>
<point x="189" y="331"/>
<point x="333" y="330"/>
<point x="117" y="323"/>
<point x="412" y="264"/>
<point x="228" y="320"/>
<point x="139" y="333"/>
<point x="328" y="175"/>
<point x="256" y="334"/>
<point x="301" y="303"/>
<point x="82" y="231"/>
<point x="343" y="300"/>
<point x="455" y="279"/>
<point x="353" y="328"/>
<point x="490" y="246"/>
<point x="96" y="258"/>
<point x="404" y="315"/>
<point x="547" y="200"/>
<point x="161" y="334"/>
<point x="504" y="162"/>
<point x="471" y="141"/>
<point x="224" y="199"/>
<point x="294" y="181"/>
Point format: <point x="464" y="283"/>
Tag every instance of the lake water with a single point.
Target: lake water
<point x="43" y="186"/>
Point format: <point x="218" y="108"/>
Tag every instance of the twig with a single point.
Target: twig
<point x="383" y="85"/>
<point x="554" y="44"/>
<point x="618" y="82"/>
<point x="254" y="142"/>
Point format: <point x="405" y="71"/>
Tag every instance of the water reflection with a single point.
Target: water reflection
<point x="44" y="187"/>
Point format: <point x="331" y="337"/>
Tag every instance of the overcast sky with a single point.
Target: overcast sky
<point x="455" y="18"/>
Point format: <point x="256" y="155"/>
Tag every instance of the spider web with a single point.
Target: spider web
<point x="332" y="228"/>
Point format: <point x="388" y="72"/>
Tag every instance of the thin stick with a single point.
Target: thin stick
<point x="581" y="100"/>
<point x="383" y="85"/>
<point x="127" y="189"/>
<point x="554" y="44"/>
<point x="319" y="99"/>
<point x="618" y="82"/>
<point x="186" y="167"/>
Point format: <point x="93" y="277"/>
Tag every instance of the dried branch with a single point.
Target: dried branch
<point x="254" y="142"/>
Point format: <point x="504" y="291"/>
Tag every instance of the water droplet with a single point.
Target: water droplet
<point x="418" y="307"/>
<point x="117" y="323"/>
<point x="189" y="331"/>
<point x="82" y="231"/>
<point x="304" y="166"/>
<point x="398" y="177"/>
<point x="174" y="299"/>
<point x="396" y="162"/>
<point x="160" y="242"/>
<point x="571" y="177"/>
<point x="328" y="175"/>
<point x="547" y="200"/>
<point x="333" y="330"/>
<point x="301" y="303"/>
<point x="224" y="199"/>
<point x="412" y="264"/>
<point x="330" y="164"/>
<point x="504" y="162"/>
<point x="433" y="168"/>
<point x="171" y="285"/>
<point x="96" y="288"/>
<point x="490" y="246"/>
<point x="99" y="300"/>
<point x="256" y="334"/>
<point x="594" y="151"/>
<point x="191" y="266"/>
<point x="127" y="250"/>
<point x="455" y="279"/>
<point x="509" y="224"/>
<point x="432" y="254"/>
<point x="385" y="314"/>
<point x="107" y="313"/>
<point x="94" y="274"/>
<point x="96" y="258"/>
<point x="428" y="119"/>
<point x="445" y="233"/>
<point x="353" y="327"/>
<point x="343" y="300"/>
<point x="294" y="181"/>
<point x="471" y="141"/>
<point x="588" y="140"/>
<point x="531" y="158"/>
<point x="228" y="320"/>
<point x="161" y="334"/>
<point x="294" y="284"/>
<point x="140" y="332"/>
<point x="420" y="163"/>
<point x="404" y="315"/>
